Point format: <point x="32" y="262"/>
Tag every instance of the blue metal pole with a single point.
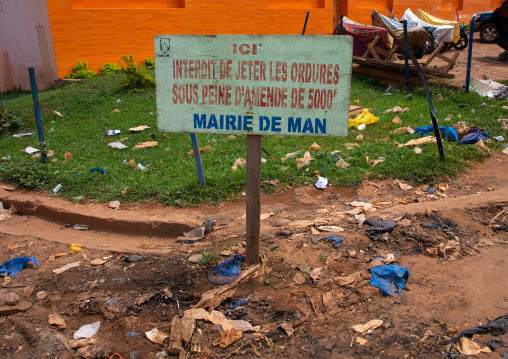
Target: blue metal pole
<point x="469" y="54"/>
<point x="305" y="25"/>
<point x="406" y="62"/>
<point x="341" y="21"/>
<point x="37" y="110"/>
<point x="197" y="158"/>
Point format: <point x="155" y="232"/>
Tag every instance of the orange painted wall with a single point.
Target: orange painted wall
<point x="100" y="31"/>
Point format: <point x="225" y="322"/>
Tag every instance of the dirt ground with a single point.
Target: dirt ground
<point x="483" y="63"/>
<point x="306" y="294"/>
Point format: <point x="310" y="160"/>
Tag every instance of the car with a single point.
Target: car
<point x="486" y="27"/>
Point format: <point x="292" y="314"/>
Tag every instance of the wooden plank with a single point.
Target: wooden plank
<point x="447" y="59"/>
<point x="374" y="42"/>
<point x="253" y="205"/>
<point x="373" y="52"/>
<point x="452" y="63"/>
<point x="431" y="57"/>
<point x="175" y="337"/>
<point x="392" y="53"/>
<point x="396" y="67"/>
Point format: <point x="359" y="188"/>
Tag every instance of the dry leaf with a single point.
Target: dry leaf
<point x="417" y="150"/>
<point x="288" y="329"/>
<point x="397" y="120"/>
<point x="351" y="145"/>
<point x="342" y="164"/>
<point x="299" y="278"/>
<point x="227" y="337"/>
<point x="314" y="147"/>
<point x="468" y="347"/>
<point x="156" y="336"/>
<point x="57" y="320"/>
<point x="404" y="186"/>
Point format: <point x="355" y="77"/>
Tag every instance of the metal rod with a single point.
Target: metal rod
<point x="469" y="54"/>
<point x="429" y="101"/>
<point x="341" y="21"/>
<point x="305" y="25"/>
<point x="406" y="60"/>
<point x="37" y="110"/>
<point x="197" y="158"/>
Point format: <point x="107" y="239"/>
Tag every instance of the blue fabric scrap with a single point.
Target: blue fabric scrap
<point x="16" y="265"/>
<point x="389" y="278"/>
<point x="238" y="303"/>
<point x="474" y="135"/>
<point x="335" y="240"/>
<point x="227" y="271"/>
<point x="98" y="169"/>
<point x="448" y="132"/>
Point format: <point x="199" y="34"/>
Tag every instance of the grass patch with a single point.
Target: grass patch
<point x="170" y="177"/>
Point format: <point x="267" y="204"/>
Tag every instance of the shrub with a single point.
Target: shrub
<point x="80" y="71"/>
<point x="137" y="77"/>
<point x="8" y="120"/>
<point x="149" y="63"/>
<point x="109" y="69"/>
<point x="27" y="172"/>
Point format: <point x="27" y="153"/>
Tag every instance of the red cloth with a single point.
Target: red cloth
<point x="363" y="35"/>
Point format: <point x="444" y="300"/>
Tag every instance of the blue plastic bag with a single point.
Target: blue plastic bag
<point x="16" y="265"/>
<point x="389" y="278"/>
<point x="448" y="132"/>
<point x="474" y="135"/>
<point x="227" y="271"/>
<point x="335" y="240"/>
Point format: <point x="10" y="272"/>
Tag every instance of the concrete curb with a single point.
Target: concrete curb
<point x="170" y="222"/>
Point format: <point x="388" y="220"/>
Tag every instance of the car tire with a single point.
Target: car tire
<point x="488" y="33"/>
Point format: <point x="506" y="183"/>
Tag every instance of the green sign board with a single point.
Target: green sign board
<point x="248" y="84"/>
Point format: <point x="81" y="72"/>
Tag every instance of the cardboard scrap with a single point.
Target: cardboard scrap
<point x="362" y="328"/>
<point x="146" y="144"/>
<point x="419" y="141"/>
<point x="361" y="341"/>
<point x="214" y="297"/>
<point x="66" y="267"/>
<point x="331" y="229"/>
<point x="139" y="128"/>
